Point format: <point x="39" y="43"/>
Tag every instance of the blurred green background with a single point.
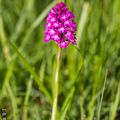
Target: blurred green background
<point x="89" y="87"/>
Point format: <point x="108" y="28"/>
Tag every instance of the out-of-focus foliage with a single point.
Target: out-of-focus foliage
<point x="27" y="64"/>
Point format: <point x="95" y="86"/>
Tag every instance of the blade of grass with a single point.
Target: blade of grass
<point x="82" y="21"/>
<point x="32" y="71"/>
<point x="94" y="92"/>
<point x="3" y="40"/>
<point x="13" y="101"/>
<point x="27" y="95"/>
<point x="7" y="78"/>
<point x="42" y="71"/>
<point x="66" y="104"/>
<point x="82" y="115"/>
<point x="114" y="106"/>
<point x="100" y="106"/>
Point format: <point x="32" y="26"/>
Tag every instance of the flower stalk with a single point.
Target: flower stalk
<point x="56" y="85"/>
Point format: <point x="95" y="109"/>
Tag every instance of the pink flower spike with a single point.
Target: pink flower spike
<point x="60" y="26"/>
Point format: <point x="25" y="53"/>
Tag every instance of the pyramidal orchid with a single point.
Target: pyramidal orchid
<point x="60" y="26"/>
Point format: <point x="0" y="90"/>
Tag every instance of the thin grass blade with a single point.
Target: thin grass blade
<point x="66" y="104"/>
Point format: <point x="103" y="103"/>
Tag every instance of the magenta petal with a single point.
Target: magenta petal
<point x="47" y="38"/>
<point x="52" y="32"/>
<point x="56" y="37"/>
<point x="61" y="30"/>
<point x="64" y="44"/>
<point x="74" y="43"/>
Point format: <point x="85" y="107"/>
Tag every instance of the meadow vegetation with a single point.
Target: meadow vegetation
<point x="89" y="86"/>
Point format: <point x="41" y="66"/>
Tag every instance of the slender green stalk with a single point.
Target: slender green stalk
<point x="26" y="100"/>
<point x="115" y="104"/>
<point x="3" y="40"/>
<point x="8" y="76"/>
<point x="13" y="101"/>
<point x="101" y="100"/>
<point x="54" y="109"/>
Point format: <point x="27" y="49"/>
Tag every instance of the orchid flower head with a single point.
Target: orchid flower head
<point x="60" y="26"/>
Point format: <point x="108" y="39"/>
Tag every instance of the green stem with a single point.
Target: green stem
<point x="54" y="109"/>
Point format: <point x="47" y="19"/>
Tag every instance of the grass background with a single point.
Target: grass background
<point x="89" y="86"/>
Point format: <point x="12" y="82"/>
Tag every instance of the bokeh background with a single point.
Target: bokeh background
<point x="89" y="87"/>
